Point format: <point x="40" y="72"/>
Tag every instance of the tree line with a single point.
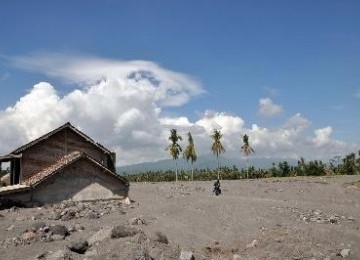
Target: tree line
<point x="189" y="154"/>
<point x="350" y="164"/>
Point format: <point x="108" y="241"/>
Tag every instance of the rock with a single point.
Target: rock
<point x="187" y="255"/>
<point x="38" y="225"/>
<point x="160" y="237"/>
<point x="254" y="243"/>
<point x="333" y="219"/>
<point x="236" y="257"/>
<point x="54" y="215"/>
<point x="59" y="230"/>
<point x="351" y="218"/>
<point x="28" y="235"/>
<point x="67" y="215"/>
<point x="345" y="252"/>
<point x="79" y="227"/>
<point x="123" y="231"/>
<point x="317" y="212"/>
<point x="143" y="255"/>
<point x="57" y="238"/>
<point x="100" y="235"/>
<point x="57" y="255"/>
<point x="137" y="221"/>
<point x="79" y="247"/>
<point x="18" y="241"/>
<point x="92" y="215"/>
<point x="14" y="209"/>
<point x="10" y="228"/>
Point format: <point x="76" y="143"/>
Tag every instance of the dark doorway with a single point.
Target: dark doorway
<point x="15" y="171"/>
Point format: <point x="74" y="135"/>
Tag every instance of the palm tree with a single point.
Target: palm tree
<point x="174" y="148"/>
<point x="246" y="149"/>
<point x="190" y="154"/>
<point x="217" y="147"/>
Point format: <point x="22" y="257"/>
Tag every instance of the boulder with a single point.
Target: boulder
<point x="345" y="252"/>
<point x="187" y="255"/>
<point x="100" y="235"/>
<point x="254" y="243"/>
<point x="160" y="237"/>
<point x="37" y="225"/>
<point x="123" y="231"/>
<point x="79" y="246"/>
<point x="28" y="235"/>
<point x="59" y="230"/>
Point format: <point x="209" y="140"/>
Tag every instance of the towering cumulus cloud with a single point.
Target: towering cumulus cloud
<point x="121" y="103"/>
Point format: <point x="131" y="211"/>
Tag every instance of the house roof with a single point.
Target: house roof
<point x="55" y="168"/>
<point x="65" y="126"/>
<point x="9" y="157"/>
<point x="64" y="162"/>
<point x="13" y="188"/>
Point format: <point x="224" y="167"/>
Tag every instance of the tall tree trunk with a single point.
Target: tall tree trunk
<point x="192" y="171"/>
<point x="176" y="175"/>
<point x="218" y="167"/>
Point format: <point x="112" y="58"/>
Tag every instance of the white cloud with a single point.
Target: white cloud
<point x="168" y="88"/>
<point x="267" y="108"/>
<point x="120" y="105"/>
<point x="322" y="136"/>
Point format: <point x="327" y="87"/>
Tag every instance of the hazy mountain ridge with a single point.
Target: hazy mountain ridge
<point x="203" y="162"/>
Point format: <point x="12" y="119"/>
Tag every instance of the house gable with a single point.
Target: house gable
<point x="75" y="176"/>
<point x="31" y="158"/>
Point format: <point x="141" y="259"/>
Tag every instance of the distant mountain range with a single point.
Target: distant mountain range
<point x="203" y="162"/>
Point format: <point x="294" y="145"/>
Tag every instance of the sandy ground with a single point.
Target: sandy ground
<point x="287" y="218"/>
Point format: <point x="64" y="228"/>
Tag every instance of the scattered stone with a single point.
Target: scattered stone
<point x="333" y="219"/>
<point x="59" y="230"/>
<point x="137" y="221"/>
<point x="10" y="228"/>
<point x="143" y="255"/>
<point x="14" y="209"/>
<point x="57" y="238"/>
<point x="122" y="231"/>
<point x="79" y="247"/>
<point x="100" y="235"/>
<point x="91" y="253"/>
<point x="254" y="243"/>
<point x="58" y="255"/>
<point x="160" y="237"/>
<point x="317" y="212"/>
<point x="67" y="215"/>
<point x="28" y="235"/>
<point x="38" y="225"/>
<point x="351" y="218"/>
<point x="187" y="255"/>
<point x="345" y="252"/>
<point x="93" y="215"/>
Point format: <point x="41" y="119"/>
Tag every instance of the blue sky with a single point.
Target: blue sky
<point x="301" y="58"/>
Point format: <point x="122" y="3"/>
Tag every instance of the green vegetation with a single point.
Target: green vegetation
<point x="246" y="149"/>
<point x="174" y="148"/>
<point x="217" y="148"/>
<point x="349" y="165"/>
<point x="190" y="154"/>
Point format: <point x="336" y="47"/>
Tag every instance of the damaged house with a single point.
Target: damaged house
<point x="64" y="164"/>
